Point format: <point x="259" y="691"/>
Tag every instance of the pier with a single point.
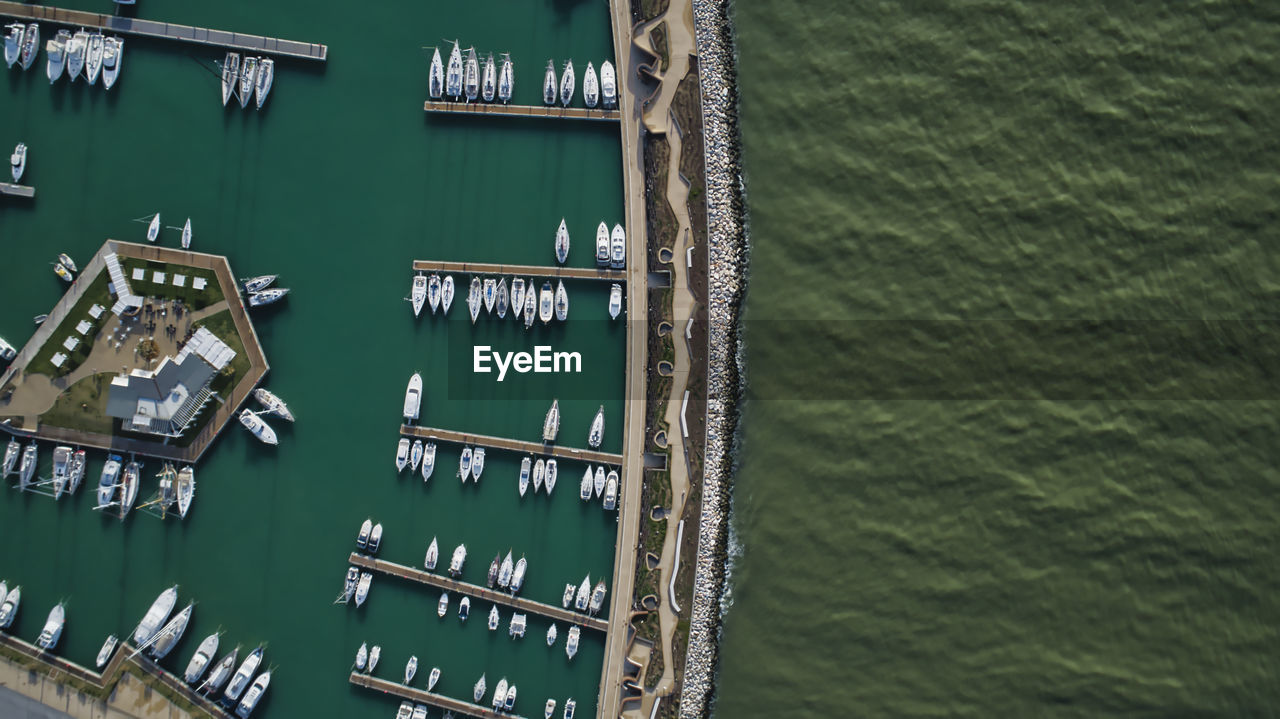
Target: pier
<point x="8" y="188"/>
<point x="447" y="583"/>
<point x="511" y="445"/>
<point x="243" y="42"/>
<point x="548" y="111"/>
<point x="489" y="268"/>
<point x="436" y="700"/>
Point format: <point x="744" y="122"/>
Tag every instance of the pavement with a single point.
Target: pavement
<point x="33" y="695"/>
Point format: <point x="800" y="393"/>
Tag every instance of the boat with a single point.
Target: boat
<point x="272" y="404"/>
<point x="52" y="630"/>
<point x="75" y="470"/>
<point x="590" y="86"/>
<point x="56" y="50"/>
<point x="156" y="615"/>
<point x="30" y="47"/>
<point x="11" y="453"/>
<point x="266" y="297"/>
<point x="201" y="660"/>
<point x="433" y="294"/>
<point x="473" y="299"/>
<point x="506" y="79"/>
<point x="168" y="637"/>
<point x="433" y="678"/>
<point x="18" y="161"/>
<point x="492" y="577"/>
<point x="433" y="555"/>
<point x="539" y="475"/>
<point x="254" y="696"/>
<point x="517" y="296"/>
<point x="446" y="293"/>
<point x="551" y="635"/>
<point x="7" y="351"/>
<point x="551" y="425"/>
<point x="248" y="75"/>
<point x="266" y="74"/>
<point x="562" y="302"/>
<point x="349" y="584"/>
<point x="566" y="84"/>
<point x="418" y="295"/>
<point x="405" y="711"/>
<point x="611" y="491"/>
<point x="489" y="79"/>
<point x="571" y="646"/>
<point x="503" y="299"/>
<point x="374" y="655"/>
<point x="608" y="86"/>
<point x="549" y="481"/>
<point x="517" y="577"/>
<point x="153" y="228"/>
<point x="362" y="539"/>
<point x="258" y="284"/>
<point x="549" y="84"/>
<point x="104" y="654"/>
<point x="230" y="73"/>
<point x="524" y="475"/>
<point x="30" y="456"/>
<point x="504" y="571"/>
<point x="490" y="294"/>
<point x="464" y="464"/>
<point x="477" y="463"/>
<point x="562" y="242"/>
<point x="109" y="480"/>
<point x="509" y="704"/>
<point x="615" y="301"/>
<point x="519" y="622"/>
<point x="545" y="303"/>
<point x="478" y="691"/>
<point x="453" y="78"/>
<point x="500" y="693"/>
<point x="435" y="77"/>
<point x="242" y="676"/>
<point x="375" y="538"/>
<point x="583" y="595"/>
<point x="584" y="490"/>
<point x="602" y="244"/>
<point x="568" y="596"/>
<point x="186" y="490"/>
<point x="39" y="320"/>
<point x="61" y="463"/>
<point x="459" y="558"/>
<point x="471" y="77"/>
<point x="402" y="454"/>
<point x="569" y="706"/>
<point x="413" y="397"/>
<point x="597" y="598"/>
<point x="596" y="435"/>
<point x="362" y="587"/>
<point x="9" y="609"/>
<point x="260" y="429"/>
<point x="428" y="460"/>
<point x="112" y="58"/>
<point x="549" y="709"/>
<point x="221" y="672"/>
<point x="464" y="609"/>
<point x="13" y="43"/>
<point x="75" y="53"/>
<point x="618" y="245"/>
<point x="410" y="668"/>
<point x="129" y="485"/>
<point x="62" y="272"/>
<point x="442" y="607"/>
<point x="415" y="455"/>
<point x="530" y="304"/>
<point x="93" y="58"/>
<point x="599" y="481"/>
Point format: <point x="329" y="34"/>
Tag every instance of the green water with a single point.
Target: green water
<point x="1079" y="553"/>
<point x="337" y="184"/>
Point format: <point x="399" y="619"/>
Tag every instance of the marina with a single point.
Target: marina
<point x="422" y="697"/>
<point x="554" y="112"/>
<point x="489" y="268"/>
<point x="511" y="445"/>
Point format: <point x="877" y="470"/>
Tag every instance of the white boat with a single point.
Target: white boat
<point x="13" y="43"/>
<point x="402" y="454"/>
<point x="30" y="46"/>
<point x="494" y="619"/>
<point x="474" y="300"/>
<point x="453" y="78"/>
<point x="56" y="51"/>
<point x="597" y="598"/>
<point x="569" y="706"/>
<point x="503" y="299"/>
<point x="62" y="272"/>
<point x="608" y="86"/>
<point x="405" y="711"/>
<point x="202" y="659"/>
<point x="272" y="404"/>
<point x="477" y="692"/>
<point x="549" y="480"/>
<point x="471" y="76"/>
<point x="410" y="668"/>
<point x="549" y="709"/>
<point x="530" y="304"/>
<point x="562" y="242"/>
<point x="374" y="655"/>
<point x="618" y="244"/>
<point x="562" y="302"/>
<point x="18" y="161"/>
<point x="186" y="234"/>
<point x="27" y="470"/>
<point x="517" y="577"/>
<point x="599" y="481"/>
<point x="492" y="578"/>
<point x="250" y="701"/>
<point x="129" y="485"/>
<point x="266" y="297"/>
<point x="61" y="463"/>
<point x="500" y="693"/>
<point x="186" y="490"/>
<point x="9" y="609"/>
<point x="93" y="58"/>
<point x="489" y="79"/>
<point x="464" y="464"/>
<point x="362" y="539"/>
<point x="75" y="471"/>
<point x="230" y="75"/>
<point x="104" y="654"/>
<point x="221" y="672"/>
<point x="7" y="351"/>
<point x="551" y="635"/>
<point x="156" y="616"/>
<point x="428" y="460"/>
<point x="375" y="538"/>
<point x="11" y="453"/>
<point x="611" y="491"/>
<point x="590" y="86"/>
<point x="257" y="427"/>
<point x="517" y="296"/>
<point x="435" y="77"/>
<point x="433" y="555"/>
<point x="615" y="301"/>
<point x="75" y="53"/>
<point x="109" y="481"/>
<point x="427" y="288"/>
<point x="349" y="585"/>
<point x="566" y="84"/>
<point x="248" y="76"/>
<point x="551" y="425"/>
<point x="362" y="587"/>
<point x="602" y="244"/>
<point x="415" y="455"/>
<point x="442" y="607"/>
<point x="571" y="646"/>
<point x="262" y="87"/>
<point x="446" y="293"/>
<point x="568" y="596"/>
<point x="259" y="283"/>
<point x="464" y="609"/>
<point x="596" y="435"/>
<point x="505" y="570"/>
<point x="506" y="79"/>
<point x="490" y="294"/>
<point x="524" y="475"/>
<point x="459" y="559"/>
<point x="240" y="681"/>
<point x="112" y="58"/>
<point x="433" y="678"/>
<point x="167" y="638"/>
<point x="477" y="463"/>
<point x="584" y="490"/>
<point x="549" y="84"/>
<point x="545" y="303"/>
<point x="153" y="229"/>
<point x="509" y="704"/>
<point x="413" y="397"/>
<point x="583" y="595"/>
<point x="52" y="630"/>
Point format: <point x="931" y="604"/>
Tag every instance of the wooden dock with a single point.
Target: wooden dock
<point x="243" y="42"/>
<point x="549" y="111"/>
<point x="436" y="700"/>
<point x="550" y="611"/>
<point x="488" y="268"/>
<point x="513" y="445"/>
<point x="8" y="188"/>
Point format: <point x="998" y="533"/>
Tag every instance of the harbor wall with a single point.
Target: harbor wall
<point x="728" y="252"/>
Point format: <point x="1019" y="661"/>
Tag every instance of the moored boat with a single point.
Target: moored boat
<point x="413" y="397"/>
<point x="551" y="635"/>
<point x="109" y="481"/>
<point x="202" y="659"/>
<point x="505" y="570"/>
<point x="567" y="84"/>
<point x="153" y="228"/>
<point x="13" y="43"/>
<point x="156" y="615"/>
<point x="464" y="464"/>
<point x="9" y="608"/>
<point x="272" y="403"/>
<point x="250" y="701"/>
<point x="259" y="283"/>
<point x="75" y="53"/>
<point x="524" y="475"/>
<point x="428" y="460"/>
<point x="562" y="302"/>
<point x="477" y="692"/>
<point x="240" y="681"/>
<point x="494" y="619"/>
<point x="471" y="76"/>
<point x="56" y="51"/>
<point x="492" y="577"/>
<point x="459" y="559"/>
<point x="584" y="489"/>
<point x="75" y="473"/>
<point x="112" y="59"/>
<point x="490" y="294"/>
<point x="551" y="425"/>
<point x="62" y="272"/>
<point x="186" y="234"/>
<point x="584" y="594"/>
<point x="549" y="84"/>
<point x="442" y="607"/>
<point x="375" y="538"/>
<point x="104" y="654"/>
<point x="562" y="242"/>
<point x="597" y="598"/>
<point x="464" y="609"/>
<point x="546" y="300"/>
<point x="517" y="576"/>
<point x="608" y="86"/>
<point x="415" y="455"/>
<point x="446" y="293"/>
<point x="550" y="709"/>
<point x="506" y="79"/>
<point x="569" y="706"/>
<point x="500" y="693"/>
<point x="611" y="491"/>
<point x="549" y="480"/>
<point x="30" y="46"/>
<point x="602" y="245"/>
<point x="257" y="427"/>
<point x="230" y="75"/>
<point x="517" y="296"/>
<point x="11" y="453"/>
<point x="410" y="669"/>
<point x="433" y="293"/>
<point x="433" y="678"/>
<point x="402" y="454"/>
<point x="596" y="435"/>
<point x="362" y="539"/>
<point x="453" y="78"/>
<point x="93" y="58"/>
<point x="221" y="672"/>
<point x="571" y="646"/>
<point x="266" y="297"/>
<point x="61" y="464"/>
<point x="568" y="596"/>
<point x="130" y="482"/>
<point x="262" y="86"/>
<point x="362" y="588"/>
<point x="186" y="489"/>
<point x="374" y="655"/>
<point x="615" y="301"/>
<point x="590" y="87"/>
<point x="167" y="638"/>
<point x="433" y="555"/>
<point x="489" y="79"/>
<point x="599" y="481"/>
<point x="27" y="470"/>
<point x="618" y="247"/>
<point x="248" y="76"/>
<point x="18" y="161"/>
<point x="474" y="300"/>
<point x="503" y="299"/>
<point x="477" y="463"/>
<point x="53" y="625"/>
<point x="435" y="76"/>
<point x="530" y="304"/>
<point x="418" y="295"/>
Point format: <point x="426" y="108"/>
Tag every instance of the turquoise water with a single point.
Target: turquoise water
<point x="338" y="183"/>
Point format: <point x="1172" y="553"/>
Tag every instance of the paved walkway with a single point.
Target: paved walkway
<point x="33" y="695"/>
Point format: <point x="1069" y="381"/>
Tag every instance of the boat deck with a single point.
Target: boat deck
<point x="512" y="445"/>
<point x="475" y="591"/>
<point x="489" y="268"/>
<point x="431" y="698"/>
<point x="8" y="188"/>
<point x="166" y="31"/>
<point x="547" y="111"/>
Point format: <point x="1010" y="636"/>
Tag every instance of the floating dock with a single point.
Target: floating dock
<point x="436" y="700"/>
<point x="486" y="268"/>
<point x="548" y="111"/>
<point x="512" y="445"/>
<point x="550" y="611"/>
<point x="8" y="188"/>
<point x="166" y="31"/>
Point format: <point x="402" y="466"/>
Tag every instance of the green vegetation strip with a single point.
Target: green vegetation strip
<point x="193" y="299"/>
<point x="42" y="362"/>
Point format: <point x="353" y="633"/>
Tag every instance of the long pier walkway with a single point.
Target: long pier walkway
<point x="8" y="188"/>
<point x="488" y="268"/>
<point x="513" y="445"/>
<point x="548" y="111"/>
<point x="421" y="697"/>
<point x="166" y="31"/>
<point x="446" y="583"/>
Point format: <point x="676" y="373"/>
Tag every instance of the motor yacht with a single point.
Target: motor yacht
<point x="413" y="397"/>
<point x="56" y="52"/>
<point x="362" y="539"/>
<point x="517" y="577"/>
<point x="545" y="303"/>
<point x="442" y="607"/>
<point x="494" y="619"/>
<point x="428" y="460"/>
<point x="201" y="660"/>
<point x="240" y="681"/>
<point x="375" y="538"/>
<point x="418" y="294"/>
<point x="618" y="245"/>
<point x="459" y="558"/>
<point x="615" y="301"/>
<point x="571" y="646"/>
<point x="52" y="630"/>
<point x="402" y="454"/>
<point x="18" y="161"/>
<point x="104" y="654"/>
<point x="257" y="427"/>
<point x="112" y="59"/>
<point x="250" y="701"/>
<point x="76" y="48"/>
<point x="597" y="598"/>
<point x="464" y="609"/>
<point x="608" y="86"/>
<point x="109" y="481"/>
<point x="477" y="463"/>
<point x="9" y="608"/>
<point x="362" y="588"/>
<point x="13" y="43"/>
<point x="602" y="245"/>
<point x="259" y="283"/>
<point x="611" y="491"/>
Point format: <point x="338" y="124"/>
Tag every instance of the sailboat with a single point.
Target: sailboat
<point x="262" y="87"/>
<point x="240" y="681"/>
<point x="524" y="475"/>
<point x="230" y="75"/>
<point x="500" y="693"/>
<point x="153" y="229"/>
<point x="596" y="435"/>
<point x="489" y="79"/>
<point x="248" y="76"/>
<point x="490" y="294"/>
<point x="432" y="294"/>
<point x="413" y="397"/>
<point x="492" y="577"/>
<point x="56" y="50"/>
<point x="562" y="302"/>
<point x="433" y="678"/>
<point x="494" y="619"/>
<point x="75" y="470"/>
<point x="505" y="570"/>
<point x="30" y="456"/>
<point x="374" y="655"/>
<point x="259" y="283"/>
<point x="599" y="481"/>
<point x="93" y="58"/>
<point x="186" y="234"/>
<point x="156" y="615"/>
<point x="52" y="630"/>
<point x="608" y="86"/>
<point x="433" y="555"/>
<point x="109" y="480"/>
<point x="75" y="53"/>
<point x="530" y="304"/>
<point x="551" y="425"/>
<point x="562" y="242"/>
<point x="474" y="301"/>
<point x="549" y="84"/>
<point x="453" y="79"/>
<point x="471" y="78"/>
<point x="167" y="638"/>
<point x="551" y="635"/>
<point x="112" y="58"/>
<point x="566" y="84"/>
<point x="272" y="404"/>
<point x="590" y="87"/>
<point x="428" y="460"/>
<point x="418" y="294"/>
<point x="506" y="79"/>
<point x="584" y="489"/>
<point x="545" y="299"/>
<point x="615" y="301"/>
<point x="539" y="474"/>
<point x="503" y="299"/>
<point x="30" y="46"/>
<point x="435" y="77"/>
<point x="618" y="242"/>
<point x="129" y="485"/>
<point x="517" y="296"/>
<point x="464" y="464"/>
<point x="186" y="490"/>
<point x="13" y="43"/>
<point x="446" y="293"/>
<point x="201" y="660"/>
<point x="61" y="463"/>
<point x="410" y="669"/>
<point x="221" y="672"/>
<point x="11" y="453"/>
<point x="477" y="692"/>
<point x="550" y="480"/>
